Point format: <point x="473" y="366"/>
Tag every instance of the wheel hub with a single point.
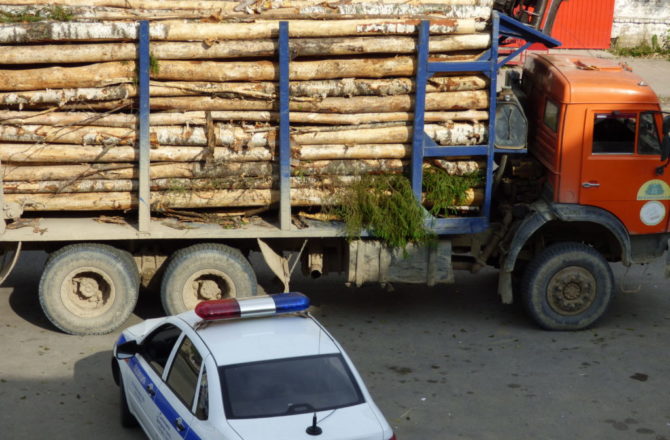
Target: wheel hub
<point x="206" y="285"/>
<point x="208" y="289"/>
<point x="87" y="292"/>
<point x="86" y="288"/>
<point x="571" y="291"/>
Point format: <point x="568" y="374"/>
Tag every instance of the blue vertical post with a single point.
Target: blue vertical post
<point x="416" y="172"/>
<point x="284" y="134"/>
<point x="493" y="82"/>
<point x="144" y="197"/>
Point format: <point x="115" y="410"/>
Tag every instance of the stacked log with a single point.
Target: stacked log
<point x="69" y="98"/>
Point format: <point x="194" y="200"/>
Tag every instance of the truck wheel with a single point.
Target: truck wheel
<point x="567" y="287"/>
<point x="88" y="288"/>
<point x="204" y="272"/>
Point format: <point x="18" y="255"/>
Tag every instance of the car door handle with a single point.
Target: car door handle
<point x="590" y="184"/>
<point x="179" y="423"/>
<point x="151" y="390"/>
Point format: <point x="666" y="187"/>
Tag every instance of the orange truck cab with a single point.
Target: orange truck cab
<point x="597" y="131"/>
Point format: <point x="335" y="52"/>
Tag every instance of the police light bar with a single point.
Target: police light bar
<point x="252" y="307"/>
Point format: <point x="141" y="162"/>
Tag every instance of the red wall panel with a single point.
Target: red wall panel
<point x="584" y="24"/>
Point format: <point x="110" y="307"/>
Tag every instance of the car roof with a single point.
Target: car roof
<point x="235" y="341"/>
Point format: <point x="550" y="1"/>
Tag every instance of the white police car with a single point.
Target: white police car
<point x="203" y="375"/>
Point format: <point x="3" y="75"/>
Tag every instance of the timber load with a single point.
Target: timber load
<point x="69" y="98"/>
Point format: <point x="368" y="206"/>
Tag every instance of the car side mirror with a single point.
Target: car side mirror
<point x="127" y="350"/>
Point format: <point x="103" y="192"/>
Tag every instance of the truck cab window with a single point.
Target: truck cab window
<point x="614" y="133"/>
<point x="551" y="115"/>
<point x="648" y="141"/>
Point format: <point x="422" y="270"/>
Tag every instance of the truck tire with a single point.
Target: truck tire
<point x="88" y="288"/>
<point x="204" y="272"/>
<point x="121" y="253"/>
<point x="568" y="286"/>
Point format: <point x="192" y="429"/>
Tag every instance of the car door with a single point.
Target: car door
<point x="147" y="369"/>
<point x="178" y="393"/>
<point x="621" y="156"/>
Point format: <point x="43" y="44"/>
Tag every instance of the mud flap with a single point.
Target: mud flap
<point x="278" y="264"/>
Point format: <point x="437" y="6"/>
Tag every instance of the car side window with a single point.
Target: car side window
<point x="156" y="348"/>
<point x="202" y="407"/>
<point x="614" y="133"/>
<point x="184" y="372"/>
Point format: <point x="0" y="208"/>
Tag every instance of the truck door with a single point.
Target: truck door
<point x="621" y="154"/>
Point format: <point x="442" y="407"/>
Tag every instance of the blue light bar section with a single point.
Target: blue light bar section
<point x="290" y="302"/>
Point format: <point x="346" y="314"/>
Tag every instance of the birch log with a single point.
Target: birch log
<point x="185" y="31"/>
<point x="101" y="74"/>
<point x="95" y="53"/>
<point x="234" y="137"/>
<point x="477" y="99"/>
<point x="311" y="90"/>
<point x="115" y="171"/>
<point x="354" y="7"/>
<point x="63" y="119"/>
<point x="117" y="201"/>
<point x="173" y="184"/>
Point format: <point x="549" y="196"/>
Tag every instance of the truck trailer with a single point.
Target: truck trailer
<point x="572" y="159"/>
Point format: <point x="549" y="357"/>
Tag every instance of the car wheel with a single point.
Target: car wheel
<point x="205" y="272"/>
<point x="568" y="286"/>
<point x="88" y="288"/>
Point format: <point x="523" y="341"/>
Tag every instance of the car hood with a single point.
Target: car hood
<point x="352" y="423"/>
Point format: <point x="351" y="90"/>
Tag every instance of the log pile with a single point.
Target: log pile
<point x="69" y="98"/>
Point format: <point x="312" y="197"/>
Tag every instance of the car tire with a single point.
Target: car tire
<point x="88" y="288"/>
<point x="568" y="286"/>
<point x="204" y="272"/>
<point x="128" y="420"/>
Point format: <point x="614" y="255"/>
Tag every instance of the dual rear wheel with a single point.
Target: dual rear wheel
<point x="91" y="288"/>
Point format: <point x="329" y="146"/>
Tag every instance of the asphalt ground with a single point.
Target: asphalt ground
<point x="447" y="362"/>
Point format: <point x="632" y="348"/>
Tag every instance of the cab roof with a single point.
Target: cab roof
<point x="235" y="341"/>
<point x="585" y="80"/>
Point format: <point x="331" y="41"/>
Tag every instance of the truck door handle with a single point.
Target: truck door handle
<point x="151" y="390"/>
<point x="590" y="184"/>
<point x="179" y="423"/>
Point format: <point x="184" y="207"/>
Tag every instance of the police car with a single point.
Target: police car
<point x="254" y="368"/>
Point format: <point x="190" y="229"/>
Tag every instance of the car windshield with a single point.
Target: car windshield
<point x="288" y="386"/>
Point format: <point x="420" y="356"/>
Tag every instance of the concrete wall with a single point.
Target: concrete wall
<point x="638" y="20"/>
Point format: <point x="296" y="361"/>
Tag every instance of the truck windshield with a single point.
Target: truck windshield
<point x="288" y="386"/>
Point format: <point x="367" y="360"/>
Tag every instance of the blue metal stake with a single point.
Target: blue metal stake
<point x="144" y="197"/>
<point x="284" y="131"/>
<point x="493" y="81"/>
<point x="422" y="76"/>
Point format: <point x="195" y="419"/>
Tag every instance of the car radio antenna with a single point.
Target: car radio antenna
<point x="313" y="429"/>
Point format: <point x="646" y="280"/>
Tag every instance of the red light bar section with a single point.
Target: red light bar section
<point x="218" y="309"/>
<point x="254" y="306"/>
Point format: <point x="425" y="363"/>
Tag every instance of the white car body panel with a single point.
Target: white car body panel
<point x="351" y="423"/>
<point x="235" y="342"/>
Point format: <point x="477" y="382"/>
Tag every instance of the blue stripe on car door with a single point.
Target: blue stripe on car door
<point x="161" y="402"/>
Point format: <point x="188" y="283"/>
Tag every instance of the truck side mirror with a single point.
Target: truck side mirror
<point x="127" y="350"/>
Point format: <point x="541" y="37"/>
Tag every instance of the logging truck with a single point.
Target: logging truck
<point x="133" y="165"/>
